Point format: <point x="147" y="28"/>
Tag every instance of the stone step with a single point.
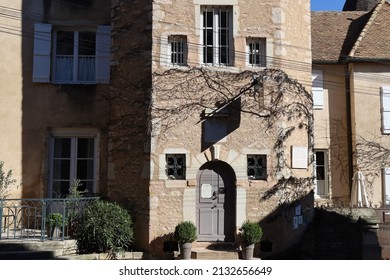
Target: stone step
<point x="215" y="251"/>
<point x="206" y="254"/>
<point x="36" y="249"/>
<point x="27" y="255"/>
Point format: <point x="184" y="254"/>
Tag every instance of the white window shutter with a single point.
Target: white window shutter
<point x="386" y="189"/>
<point x="318" y="89"/>
<point x="42" y="53"/>
<point x="385" y="94"/>
<point x="103" y="48"/>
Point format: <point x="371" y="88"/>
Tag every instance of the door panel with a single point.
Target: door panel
<point x="204" y="224"/>
<point x="215" y="205"/>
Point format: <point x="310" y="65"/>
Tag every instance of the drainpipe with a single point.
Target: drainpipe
<point x="347" y="74"/>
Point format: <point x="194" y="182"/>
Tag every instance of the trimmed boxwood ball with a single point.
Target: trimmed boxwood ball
<point x="106" y="227"/>
<point x="251" y="232"/>
<point x="185" y="232"/>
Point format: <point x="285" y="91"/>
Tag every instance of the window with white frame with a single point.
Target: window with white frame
<point x="65" y="55"/>
<point x="386" y="187"/>
<point x="178" y="50"/>
<point x="257" y="167"/>
<point x="176" y="166"/>
<point x="385" y="110"/>
<point x="318" y="89"/>
<point x="71" y="158"/>
<point x="256" y="52"/>
<point x="217" y="35"/>
<point x="321" y="173"/>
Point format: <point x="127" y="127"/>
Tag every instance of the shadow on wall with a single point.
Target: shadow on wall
<point x="164" y="247"/>
<point x="284" y="228"/>
<point x="333" y="234"/>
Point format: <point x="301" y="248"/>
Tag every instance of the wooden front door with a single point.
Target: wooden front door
<point x="216" y="202"/>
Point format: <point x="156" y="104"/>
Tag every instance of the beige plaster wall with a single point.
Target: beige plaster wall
<point x="367" y="79"/>
<point x="30" y="110"/>
<point x="331" y="129"/>
<point x="11" y="81"/>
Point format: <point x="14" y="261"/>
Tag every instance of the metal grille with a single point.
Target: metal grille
<point x="27" y="218"/>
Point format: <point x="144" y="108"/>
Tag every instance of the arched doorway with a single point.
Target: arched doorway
<point x="216" y="202"/>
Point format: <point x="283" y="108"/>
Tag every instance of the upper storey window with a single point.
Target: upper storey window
<point x="256" y="49"/>
<point x="217" y="35"/>
<point x="71" y="56"/>
<point x="178" y="51"/>
<point x="75" y="56"/>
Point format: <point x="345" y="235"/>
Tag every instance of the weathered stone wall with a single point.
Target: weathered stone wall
<point x="289" y="40"/>
<point x="129" y="99"/>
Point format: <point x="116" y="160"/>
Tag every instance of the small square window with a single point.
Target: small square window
<point x="178" y="45"/>
<point x="257" y="167"/>
<point x="176" y="166"/>
<point x="257" y="56"/>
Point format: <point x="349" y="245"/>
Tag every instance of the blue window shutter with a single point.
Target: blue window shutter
<point x="103" y="47"/>
<point x="385" y="94"/>
<point x="42" y="53"/>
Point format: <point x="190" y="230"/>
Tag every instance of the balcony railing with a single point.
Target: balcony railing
<point x="28" y="218"/>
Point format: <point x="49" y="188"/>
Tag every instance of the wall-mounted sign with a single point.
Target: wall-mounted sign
<point x="206" y="191"/>
<point x="295" y="222"/>
<point x="298" y="210"/>
<point x="299" y="157"/>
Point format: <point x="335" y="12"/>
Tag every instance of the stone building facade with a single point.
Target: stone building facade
<point x="181" y="110"/>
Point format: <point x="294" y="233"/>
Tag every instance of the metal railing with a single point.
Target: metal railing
<point x="44" y="218"/>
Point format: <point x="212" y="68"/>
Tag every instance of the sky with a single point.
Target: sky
<point x="327" y="5"/>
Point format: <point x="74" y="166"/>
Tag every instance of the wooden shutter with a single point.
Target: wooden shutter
<point x="385" y="102"/>
<point x="103" y="47"/>
<point x="318" y="89"/>
<point x="386" y="187"/>
<point x="42" y="53"/>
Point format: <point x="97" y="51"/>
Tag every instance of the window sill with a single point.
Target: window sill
<point x="73" y="83"/>
<point x="221" y="68"/>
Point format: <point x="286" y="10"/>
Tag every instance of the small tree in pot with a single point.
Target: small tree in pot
<point x="251" y="233"/>
<point x="185" y="234"/>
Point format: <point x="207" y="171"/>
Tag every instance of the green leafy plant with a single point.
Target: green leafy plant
<point x="106" y="227"/>
<point x="73" y="204"/>
<point x="185" y="232"/>
<point x="6" y="182"/>
<point x="251" y="232"/>
<point x="55" y="220"/>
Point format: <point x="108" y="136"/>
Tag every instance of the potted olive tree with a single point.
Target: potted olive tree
<point x="185" y="234"/>
<point x="251" y="234"/>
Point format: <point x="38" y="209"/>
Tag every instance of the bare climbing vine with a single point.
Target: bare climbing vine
<point x="280" y="103"/>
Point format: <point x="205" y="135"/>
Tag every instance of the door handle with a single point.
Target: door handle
<point x="214" y="197"/>
<point x="213" y="206"/>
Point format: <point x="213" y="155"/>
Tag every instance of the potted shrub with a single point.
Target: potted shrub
<point x="251" y="234"/>
<point x="54" y="222"/>
<point x="185" y="234"/>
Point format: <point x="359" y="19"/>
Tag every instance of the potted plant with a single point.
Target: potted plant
<point x="251" y="234"/>
<point x="54" y="222"/>
<point x="185" y="234"/>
